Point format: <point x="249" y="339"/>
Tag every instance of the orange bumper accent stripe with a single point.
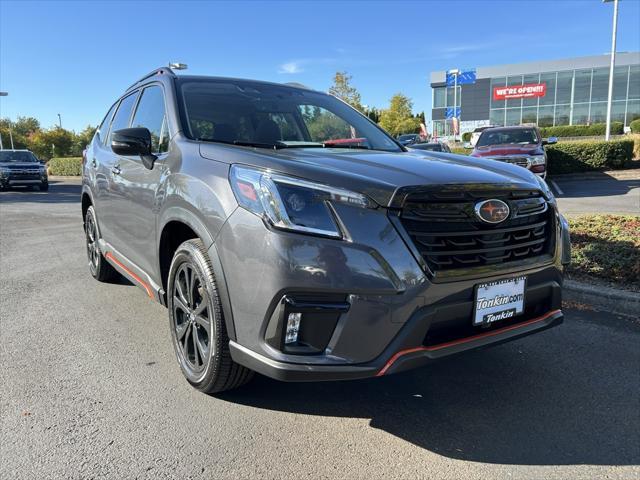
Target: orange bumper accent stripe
<point x="460" y="341"/>
<point x="141" y="282"/>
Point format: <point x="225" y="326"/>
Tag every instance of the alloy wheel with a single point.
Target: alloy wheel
<point x="93" y="253"/>
<point x="192" y="320"/>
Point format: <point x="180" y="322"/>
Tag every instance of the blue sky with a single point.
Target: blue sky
<point x="75" y="58"/>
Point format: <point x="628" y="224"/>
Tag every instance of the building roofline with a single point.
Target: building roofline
<point x="622" y="59"/>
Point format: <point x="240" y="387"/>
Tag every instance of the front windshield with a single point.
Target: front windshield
<point x="521" y="136"/>
<point x="262" y="115"/>
<point x="11" y="156"/>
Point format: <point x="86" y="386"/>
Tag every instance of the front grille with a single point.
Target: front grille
<point x="447" y="234"/>
<point x="521" y="161"/>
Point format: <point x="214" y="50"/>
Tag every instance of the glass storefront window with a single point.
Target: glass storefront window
<point x="564" y="82"/>
<point x="529" y="114"/>
<point x="562" y="115"/>
<point x="545" y="116"/>
<point x="497" y="82"/>
<point x="450" y="97"/>
<point x="513" y="116"/>
<point x="580" y="114"/>
<point x="439" y="97"/>
<point x="511" y="81"/>
<point x="620" y="75"/>
<point x="598" y="112"/>
<point x="600" y="87"/>
<point x="617" y="111"/>
<point x="582" y="86"/>
<point x="550" y="80"/>
<point x="633" y="110"/>
<point x="530" y="102"/>
<point x="496" y="117"/>
<point x="634" y="82"/>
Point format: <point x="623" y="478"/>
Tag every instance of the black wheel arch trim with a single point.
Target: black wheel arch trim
<point x="180" y="214"/>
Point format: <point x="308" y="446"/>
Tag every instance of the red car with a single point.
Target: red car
<point x="521" y="145"/>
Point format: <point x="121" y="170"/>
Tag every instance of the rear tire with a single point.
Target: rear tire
<point x="99" y="268"/>
<point x="198" y="330"/>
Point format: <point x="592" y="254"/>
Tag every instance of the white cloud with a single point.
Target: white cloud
<point x="290" y="68"/>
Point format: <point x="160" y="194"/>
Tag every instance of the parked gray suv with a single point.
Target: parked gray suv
<point x="289" y="235"/>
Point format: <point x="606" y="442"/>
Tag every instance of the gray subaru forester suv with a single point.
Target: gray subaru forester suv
<point x="289" y="235"/>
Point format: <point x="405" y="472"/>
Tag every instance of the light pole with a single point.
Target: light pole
<point x="613" y="62"/>
<point x="455" y="72"/>
<point x="59" y="120"/>
<point x="3" y="94"/>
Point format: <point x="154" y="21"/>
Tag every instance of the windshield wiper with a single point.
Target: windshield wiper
<point x="240" y="143"/>
<point x="352" y="147"/>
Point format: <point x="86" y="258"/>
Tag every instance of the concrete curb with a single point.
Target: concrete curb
<point x="607" y="298"/>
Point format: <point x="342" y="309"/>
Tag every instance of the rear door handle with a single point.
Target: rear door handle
<point x="116" y="170"/>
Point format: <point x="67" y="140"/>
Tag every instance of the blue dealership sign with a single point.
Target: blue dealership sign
<point x="451" y="114"/>
<point x="465" y="77"/>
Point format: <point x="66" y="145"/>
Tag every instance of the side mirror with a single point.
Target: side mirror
<point x="468" y="145"/>
<point x="134" y="141"/>
<point x="550" y="141"/>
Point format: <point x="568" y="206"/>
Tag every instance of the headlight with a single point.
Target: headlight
<point x="292" y="204"/>
<point x="537" y="160"/>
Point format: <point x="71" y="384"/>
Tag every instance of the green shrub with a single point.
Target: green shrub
<point x="466" y="136"/>
<point x="67" y="167"/>
<point x="585" y="155"/>
<point x="635" y="126"/>
<point x="617" y="128"/>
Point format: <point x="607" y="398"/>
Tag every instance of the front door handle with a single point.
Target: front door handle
<point x="94" y="164"/>
<point x="116" y="170"/>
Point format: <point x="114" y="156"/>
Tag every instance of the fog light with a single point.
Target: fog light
<point x="293" y="327"/>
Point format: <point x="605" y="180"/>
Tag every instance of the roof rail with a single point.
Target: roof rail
<point x="157" y="71"/>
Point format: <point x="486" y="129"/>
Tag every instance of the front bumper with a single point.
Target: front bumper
<point x="398" y="317"/>
<point x="10" y="180"/>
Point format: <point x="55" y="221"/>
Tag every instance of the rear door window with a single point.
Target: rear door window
<point x="104" y="126"/>
<point x="122" y="116"/>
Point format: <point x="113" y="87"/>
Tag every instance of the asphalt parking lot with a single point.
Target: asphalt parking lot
<point x="604" y="194"/>
<point x="90" y="389"/>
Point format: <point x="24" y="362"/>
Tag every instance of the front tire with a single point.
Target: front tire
<point x="198" y="331"/>
<point x="44" y="186"/>
<point x="99" y="268"/>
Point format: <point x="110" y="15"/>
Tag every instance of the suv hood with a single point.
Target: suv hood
<point x="508" y="149"/>
<point x="383" y="176"/>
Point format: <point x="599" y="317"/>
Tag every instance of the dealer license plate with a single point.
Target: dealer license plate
<point x="499" y="300"/>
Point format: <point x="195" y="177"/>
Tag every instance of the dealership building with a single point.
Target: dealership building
<point x="555" y="92"/>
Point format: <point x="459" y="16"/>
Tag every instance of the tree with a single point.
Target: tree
<point x="398" y="118"/>
<point x="56" y="142"/>
<point x="81" y="140"/>
<point x="26" y="126"/>
<point x="373" y="113"/>
<point x="343" y="89"/>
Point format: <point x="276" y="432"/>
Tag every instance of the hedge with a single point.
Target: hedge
<point x="466" y="136"/>
<point x="67" y="167"/>
<point x="617" y="128"/>
<point x="635" y="126"/>
<point x="582" y="156"/>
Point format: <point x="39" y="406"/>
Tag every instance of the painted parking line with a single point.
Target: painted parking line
<point x="556" y="187"/>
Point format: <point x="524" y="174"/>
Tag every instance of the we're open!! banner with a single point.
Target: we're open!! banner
<point x="520" y="91"/>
